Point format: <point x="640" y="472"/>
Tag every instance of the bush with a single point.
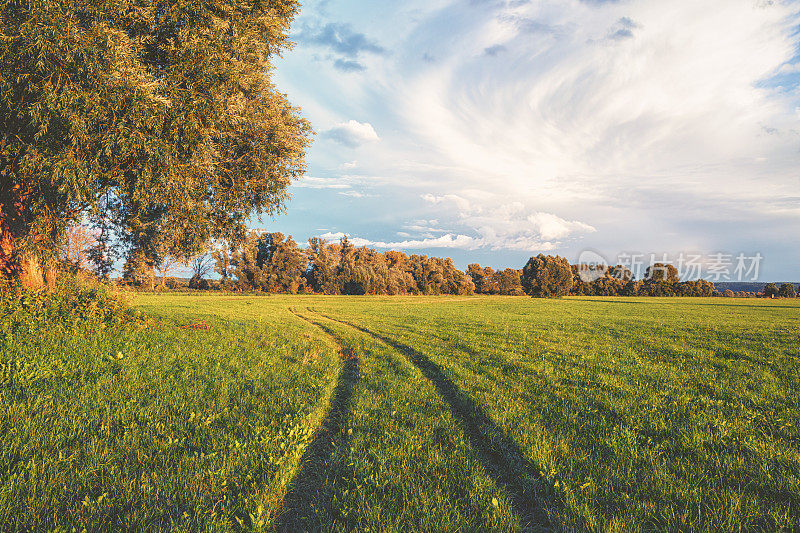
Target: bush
<point x="73" y="304"/>
<point x="547" y="276"/>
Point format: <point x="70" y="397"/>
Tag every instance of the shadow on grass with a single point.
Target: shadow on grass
<point x="500" y="456"/>
<point x="310" y="493"/>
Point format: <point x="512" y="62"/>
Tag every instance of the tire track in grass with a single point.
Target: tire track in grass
<point x="310" y="493"/>
<point x="501" y="457"/>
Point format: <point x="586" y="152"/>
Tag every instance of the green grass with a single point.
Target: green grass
<point x="409" y="413"/>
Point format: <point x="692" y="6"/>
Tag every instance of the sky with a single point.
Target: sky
<point x="493" y="130"/>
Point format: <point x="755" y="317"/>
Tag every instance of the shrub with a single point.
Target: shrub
<point x="73" y="304"/>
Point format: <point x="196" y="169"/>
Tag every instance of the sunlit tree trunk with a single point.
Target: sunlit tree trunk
<point x="15" y="264"/>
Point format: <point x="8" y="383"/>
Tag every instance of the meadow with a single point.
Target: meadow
<point x="407" y="413"/>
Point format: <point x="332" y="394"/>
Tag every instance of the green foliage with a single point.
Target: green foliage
<point x="265" y="262"/>
<point x="157" y="119"/>
<point x="271" y="264"/>
<point x="507" y="282"/>
<point x="547" y="276"/>
<point x="700" y="288"/>
<point x="71" y="306"/>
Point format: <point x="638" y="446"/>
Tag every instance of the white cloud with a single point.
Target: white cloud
<point x="550" y="226"/>
<point x="445" y="241"/>
<point x="352" y="133"/>
<point x="790" y="68"/>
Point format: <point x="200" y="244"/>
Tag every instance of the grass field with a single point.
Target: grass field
<point x="409" y="413"/>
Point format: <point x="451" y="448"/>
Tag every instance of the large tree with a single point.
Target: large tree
<point x="155" y="118"/>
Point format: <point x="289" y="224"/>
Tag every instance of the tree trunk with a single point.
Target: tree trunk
<point x="15" y="265"/>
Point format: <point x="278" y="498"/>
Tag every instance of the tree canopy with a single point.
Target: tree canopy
<point x="156" y="120"/>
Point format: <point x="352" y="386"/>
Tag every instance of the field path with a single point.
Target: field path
<point x="310" y="492"/>
<point x="501" y="457"/>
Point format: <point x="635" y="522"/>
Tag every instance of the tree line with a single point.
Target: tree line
<point x="274" y="263"/>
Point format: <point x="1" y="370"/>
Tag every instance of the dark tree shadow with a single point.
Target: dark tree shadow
<point x="501" y="457"/>
<point x="310" y="493"/>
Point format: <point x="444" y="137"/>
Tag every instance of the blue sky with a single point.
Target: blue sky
<point x="489" y="131"/>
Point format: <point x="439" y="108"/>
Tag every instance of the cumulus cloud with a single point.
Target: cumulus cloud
<point x="550" y="226"/>
<point x="510" y="226"/>
<point x="352" y="134"/>
<point x="462" y="203"/>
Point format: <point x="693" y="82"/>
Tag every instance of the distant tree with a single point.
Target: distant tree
<point x="787" y="290"/>
<point x="608" y="286"/>
<point x="201" y="265"/>
<point x="491" y="281"/>
<point x="547" y="276"/>
<point x="78" y="243"/>
<point x="658" y="288"/>
<point x="579" y="286"/>
<point x="139" y="270"/>
<point x="509" y="282"/>
<point x="165" y="264"/>
<point x="771" y="290"/>
<point x="478" y="276"/>
<point x="633" y="288"/>
<point x="663" y="272"/>
<point x="620" y="272"/>
<point x="728" y="293"/>
<point x="222" y="264"/>
<point x="323" y="261"/>
<point x="487" y="281"/>
<point x="698" y="288"/>
<point x="244" y="264"/>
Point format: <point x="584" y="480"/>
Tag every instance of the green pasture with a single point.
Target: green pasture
<point x="407" y="414"/>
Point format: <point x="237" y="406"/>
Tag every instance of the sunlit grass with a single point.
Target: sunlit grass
<point x="446" y="414"/>
<point x="647" y="414"/>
